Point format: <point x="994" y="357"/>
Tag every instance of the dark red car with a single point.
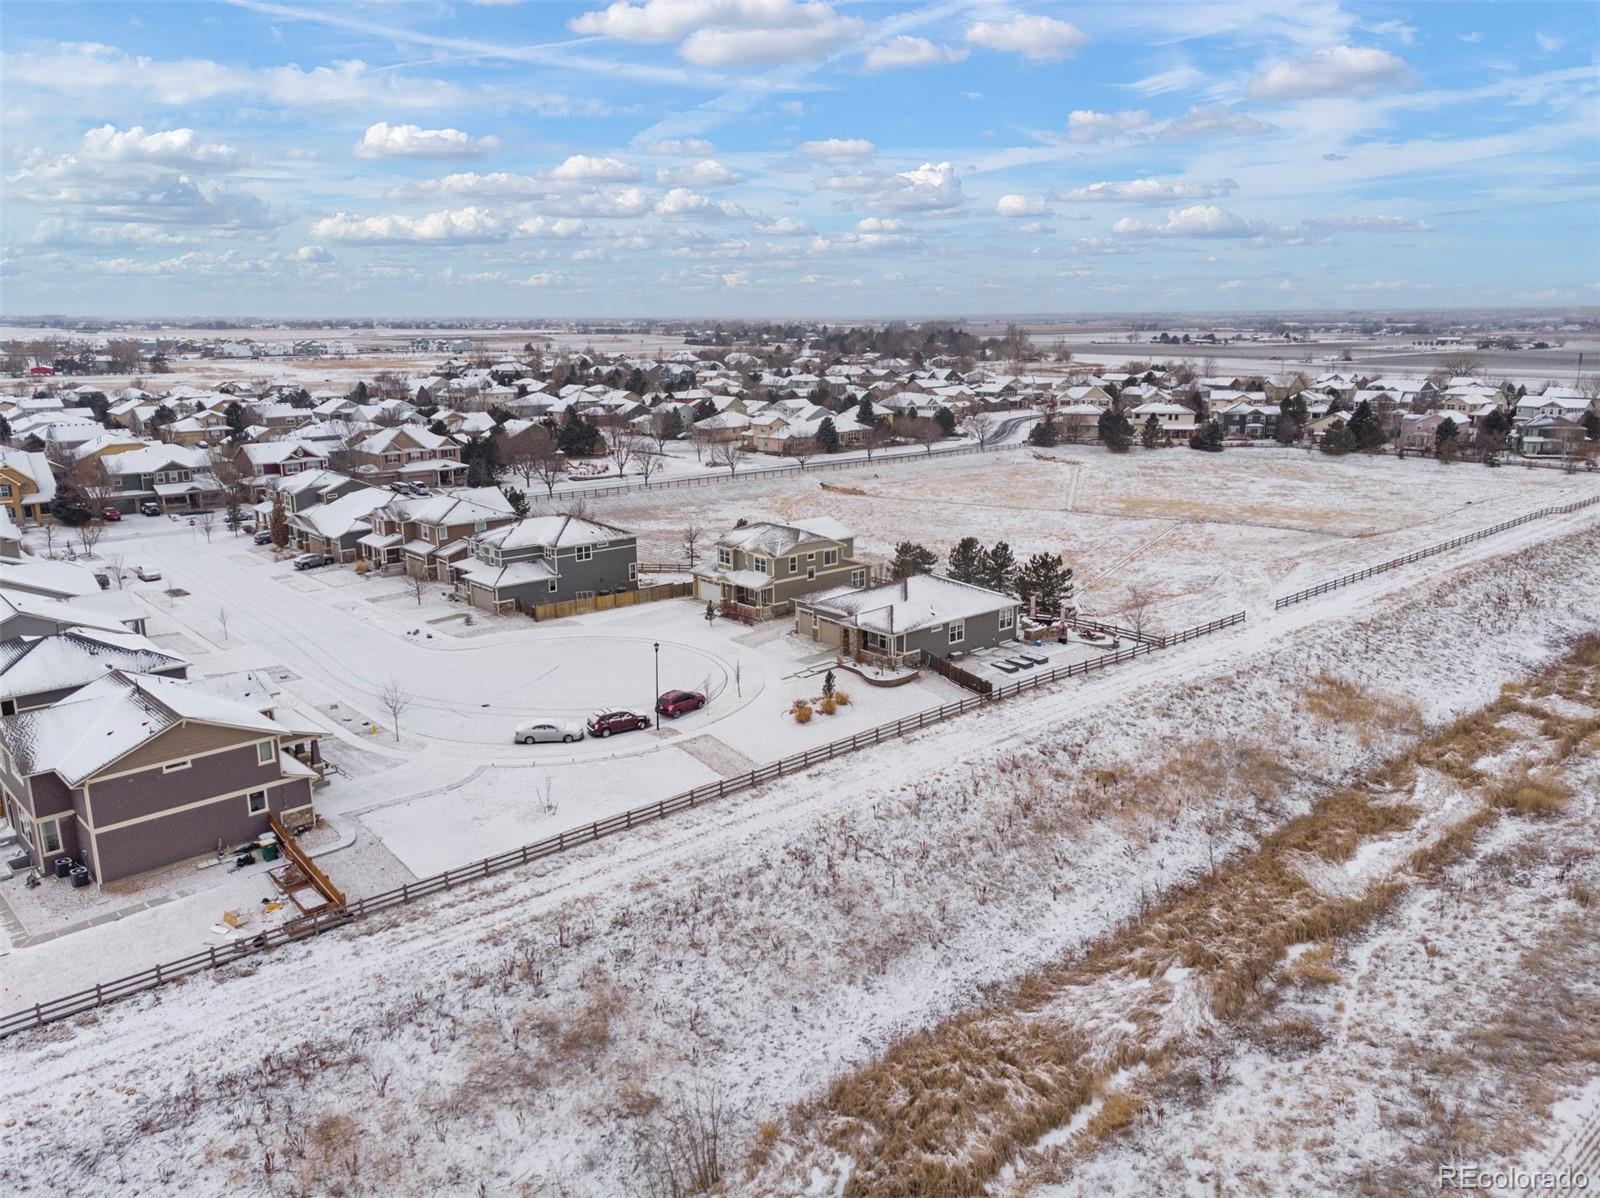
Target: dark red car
<point x="676" y="703"/>
<point x="608" y="722"/>
<point x="112" y="513"/>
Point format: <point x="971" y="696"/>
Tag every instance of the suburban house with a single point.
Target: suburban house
<point x="1550" y="436"/>
<point x="27" y="613"/>
<point x="411" y="453"/>
<point x="1174" y="418"/>
<point x="1250" y="420"/>
<point x="175" y="476"/>
<point x="36" y="671"/>
<point x="765" y="566"/>
<point x="924" y="613"/>
<point x="547" y="559"/>
<point x="276" y="459"/>
<point x="27" y="485"/>
<point x="429" y="534"/>
<point x="336" y="527"/>
<point x="307" y="489"/>
<point x="135" y="772"/>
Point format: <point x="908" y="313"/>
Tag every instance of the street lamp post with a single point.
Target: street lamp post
<point x="657" y="703"/>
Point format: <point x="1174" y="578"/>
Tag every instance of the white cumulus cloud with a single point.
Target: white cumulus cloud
<point x="169" y="147"/>
<point x="726" y="32"/>
<point x="1021" y="205"/>
<point x="708" y="172"/>
<point x="1198" y="220"/>
<point x="1148" y="191"/>
<point x="384" y="140"/>
<point x="1334" y="71"/>
<point x="680" y="201"/>
<point x="1085" y="124"/>
<point x="582" y="168"/>
<point x="1038" y="38"/>
<point x="903" y="51"/>
<point x="837" y="149"/>
<point x="450" y="225"/>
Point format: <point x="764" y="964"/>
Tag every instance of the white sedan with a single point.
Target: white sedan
<point x="544" y="731"/>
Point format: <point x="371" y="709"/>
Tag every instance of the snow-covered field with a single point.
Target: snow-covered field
<point x="526" y="1035"/>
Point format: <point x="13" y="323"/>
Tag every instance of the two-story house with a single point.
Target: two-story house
<point x="429" y="534"/>
<point x="766" y="565"/>
<point x="336" y="527"/>
<point x="27" y="485"/>
<point x="135" y="772"/>
<point x="411" y="453"/>
<point x="265" y="460"/>
<point x="547" y="559"/>
<point x="175" y="476"/>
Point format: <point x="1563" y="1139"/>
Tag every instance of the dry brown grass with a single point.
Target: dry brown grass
<point x="943" y="1111"/>
<point x="1359" y="710"/>
<point x="1527" y="793"/>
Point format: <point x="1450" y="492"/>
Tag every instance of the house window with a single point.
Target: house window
<point x="1008" y="617"/>
<point x="265" y="752"/>
<point x="858" y="578"/>
<point x="5" y="490"/>
<point x="585" y="595"/>
<point x="811" y="572"/>
<point x="794" y="565"/>
<point x="811" y="557"/>
<point x="256" y="801"/>
<point x="958" y="631"/>
<point x="759" y="565"/>
<point x="830" y="557"/>
<point x="584" y="553"/>
<point x="553" y="583"/>
<point x="633" y="571"/>
<point x="50" y="836"/>
<point x="173" y="766"/>
<point x="724" y="557"/>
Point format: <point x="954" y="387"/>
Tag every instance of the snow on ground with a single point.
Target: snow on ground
<point x="1446" y="1036"/>
<point x="518" y="1033"/>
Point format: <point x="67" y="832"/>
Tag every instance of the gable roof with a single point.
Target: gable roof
<point x="33" y="665"/>
<point x="910" y="604"/>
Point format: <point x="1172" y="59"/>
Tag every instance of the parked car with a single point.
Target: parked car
<point x="147" y="574"/>
<point x="400" y="488"/>
<point x="111" y="514"/>
<point x="150" y="508"/>
<point x="676" y="703"/>
<point x="264" y="537"/>
<point x="420" y="489"/>
<point x="544" y="731"/>
<point x="607" y="722"/>
<point x="310" y="561"/>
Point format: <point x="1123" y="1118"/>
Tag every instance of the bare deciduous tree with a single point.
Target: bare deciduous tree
<point x="927" y="432"/>
<point x="418" y="584"/>
<point x="982" y="427"/>
<point x="691" y="541"/>
<point x="620" y="450"/>
<point x="207" y="521"/>
<point x="89" y="534"/>
<point x="1137" y="609"/>
<point x="647" y="457"/>
<point x="396" y="700"/>
<point x="679" y="1152"/>
<point x="801" y="449"/>
<point x="532" y="456"/>
<point x="729" y="454"/>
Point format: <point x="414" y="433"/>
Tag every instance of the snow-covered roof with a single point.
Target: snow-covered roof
<point x="920" y="601"/>
<point x="31" y="665"/>
<point x="772" y="537"/>
<point x="106" y="720"/>
<point x="552" y="532"/>
<point x="34" y="466"/>
<point x="59" y="580"/>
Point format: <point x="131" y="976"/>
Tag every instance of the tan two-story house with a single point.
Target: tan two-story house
<point x="765" y="566"/>
<point x="426" y="535"/>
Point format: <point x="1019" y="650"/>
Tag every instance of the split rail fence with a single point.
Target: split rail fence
<point x="65" y="1007"/>
<point x="1334" y="584"/>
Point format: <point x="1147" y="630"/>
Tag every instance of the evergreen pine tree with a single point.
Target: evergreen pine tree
<point x="1045" y="578"/>
<point x="1043" y="434"/>
<point x="1115" y="431"/>
<point x="1338" y="440"/>
<point x="1208" y="437"/>
<point x="911" y="558"/>
<point x="1150" y="434"/>
<point x="1447" y="441"/>
<point x="827" y="436"/>
<point x="946" y="420"/>
<point x="999" y="568"/>
<point x="1365" y="428"/>
<point x="966" y="560"/>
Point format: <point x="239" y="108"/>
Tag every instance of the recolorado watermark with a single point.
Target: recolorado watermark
<point x="1506" y="1178"/>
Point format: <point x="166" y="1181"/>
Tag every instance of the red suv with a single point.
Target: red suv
<point x="608" y="722"/>
<point x="675" y="703"/>
<point x="112" y="514"/>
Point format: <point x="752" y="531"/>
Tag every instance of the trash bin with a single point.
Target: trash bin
<point x="269" y="852"/>
<point x="64" y="866"/>
<point x="80" y="876"/>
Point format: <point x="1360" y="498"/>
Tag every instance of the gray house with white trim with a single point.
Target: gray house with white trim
<point x="547" y="559"/>
<point x="900" y="620"/>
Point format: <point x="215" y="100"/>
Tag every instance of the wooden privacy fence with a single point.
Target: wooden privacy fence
<point x="69" y="1005"/>
<point x="578" y="607"/>
<point x="1322" y="588"/>
<point x="963" y="678"/>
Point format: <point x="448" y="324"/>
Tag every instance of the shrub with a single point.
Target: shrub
<point x="801" y="711"/>
<point x="1529" y="794"/>
<point x="828" y="706"/>
<point x="842" y="698"/>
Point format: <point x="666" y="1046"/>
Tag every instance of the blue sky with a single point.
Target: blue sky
<point x="796" y="157"/>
